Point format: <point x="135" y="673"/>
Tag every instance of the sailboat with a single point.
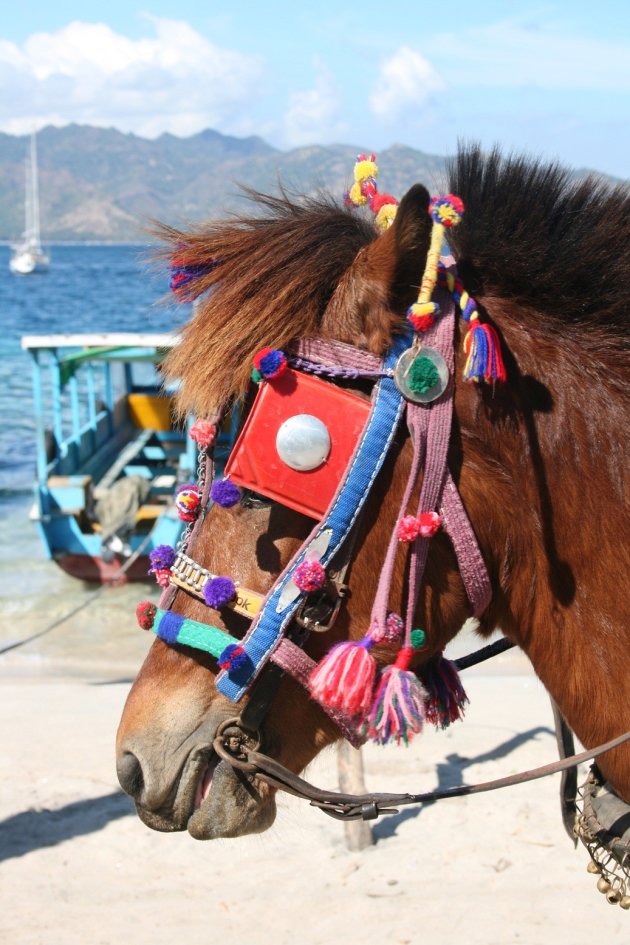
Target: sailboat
<point x="28" y="256"/>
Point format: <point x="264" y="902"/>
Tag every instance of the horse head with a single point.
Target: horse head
<point x="517" y="453"/>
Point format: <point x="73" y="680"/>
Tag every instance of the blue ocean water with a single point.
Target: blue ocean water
<point x="89" y="288"/>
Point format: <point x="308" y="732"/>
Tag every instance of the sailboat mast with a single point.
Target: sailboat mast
<point x="34" y="190"/>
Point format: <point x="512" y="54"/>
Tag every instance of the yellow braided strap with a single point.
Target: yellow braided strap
<point x="446" y="212"/>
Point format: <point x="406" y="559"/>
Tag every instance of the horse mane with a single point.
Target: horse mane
<point x="273" y="274"/>
<point x="535" y="234"/>
<point x="557" y="247"/>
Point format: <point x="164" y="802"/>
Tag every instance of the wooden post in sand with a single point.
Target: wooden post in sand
<point x="351" y="781"/>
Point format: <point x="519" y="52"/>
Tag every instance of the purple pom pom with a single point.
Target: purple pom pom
<point x="219" y="591"/>
<point x="225" y="493"/>
<point x="162" y="558"/>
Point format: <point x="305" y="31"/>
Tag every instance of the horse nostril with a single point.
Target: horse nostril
<point x="130" y="774"/>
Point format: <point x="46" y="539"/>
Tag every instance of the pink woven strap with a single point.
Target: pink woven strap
<point x="336" y="353"/>
<point x="294" y="661"/>
<point x="471" y="564"/>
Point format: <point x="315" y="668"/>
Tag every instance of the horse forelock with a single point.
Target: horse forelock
<point x="272" y="278"/>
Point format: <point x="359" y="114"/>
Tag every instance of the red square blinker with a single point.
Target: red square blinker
<point x="255" y="462"/>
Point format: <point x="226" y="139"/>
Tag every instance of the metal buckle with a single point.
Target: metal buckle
<point x="322" y="600"/>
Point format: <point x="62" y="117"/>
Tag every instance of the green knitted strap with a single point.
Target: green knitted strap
<point x="173" y="628"/>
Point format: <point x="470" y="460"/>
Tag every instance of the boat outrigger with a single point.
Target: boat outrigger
<point x="109" y="454"/>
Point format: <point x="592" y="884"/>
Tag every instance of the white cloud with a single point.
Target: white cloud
<point x="406" y="81"/>
<point x="174" y="80"/>
<point x="313" y="115"/>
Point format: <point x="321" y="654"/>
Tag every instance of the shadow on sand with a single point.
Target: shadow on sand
<point x="36" y="829"/>
<point x="451" y="774"/>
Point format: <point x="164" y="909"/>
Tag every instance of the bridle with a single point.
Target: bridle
<point x="238" y="740"/>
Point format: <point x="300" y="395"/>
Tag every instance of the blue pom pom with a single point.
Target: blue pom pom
<point x="273" y="364"/>
<point x="233" y="658"/>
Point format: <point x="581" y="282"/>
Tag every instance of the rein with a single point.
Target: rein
<point x="233" y="749"/>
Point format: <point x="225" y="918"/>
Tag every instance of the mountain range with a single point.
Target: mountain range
<point x="102" y="184"/>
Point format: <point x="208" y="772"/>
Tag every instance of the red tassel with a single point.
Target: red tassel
<point x="344" y="680"/>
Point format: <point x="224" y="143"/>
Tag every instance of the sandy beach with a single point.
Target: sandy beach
<point x="77" y="866"/>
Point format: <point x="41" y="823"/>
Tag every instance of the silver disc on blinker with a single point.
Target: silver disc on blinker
<point x="303" y="442"/>
<point x="421" y="375"/>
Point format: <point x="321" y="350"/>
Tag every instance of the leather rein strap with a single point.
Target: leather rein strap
<point x="370" y="806"/>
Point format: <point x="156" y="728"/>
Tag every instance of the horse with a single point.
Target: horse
<point x="540" y="461"/>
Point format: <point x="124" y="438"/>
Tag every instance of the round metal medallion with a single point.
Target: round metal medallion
<point x="421" y="375"/>
<point x="303" y="442"/>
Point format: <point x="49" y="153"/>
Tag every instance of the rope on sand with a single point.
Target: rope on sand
<point x="75" y="610"/>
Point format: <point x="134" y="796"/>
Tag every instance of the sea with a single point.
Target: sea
<point x="88" y="288"/>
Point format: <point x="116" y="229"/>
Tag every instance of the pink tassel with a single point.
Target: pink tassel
<point x="344" y="680"/>
<point x="446" y="698"/>
<point x="398" y="710"/>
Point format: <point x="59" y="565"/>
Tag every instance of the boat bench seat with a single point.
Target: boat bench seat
<point x="70" y="493"/>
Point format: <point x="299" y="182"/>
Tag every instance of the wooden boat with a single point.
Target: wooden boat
<point x="109" y="454"/>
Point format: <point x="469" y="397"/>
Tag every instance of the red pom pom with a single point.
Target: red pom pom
<point x="145" y="614"/>
<point x="421" y="322"/>
<point x="381" y="200"/>
<point x="428" y="524"/>
<point x="408" y="528"/>
<point x="368" y="188"/>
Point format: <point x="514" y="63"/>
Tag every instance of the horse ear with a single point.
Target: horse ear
<point x="410" y="234"/>
<point x="375" y="293"/>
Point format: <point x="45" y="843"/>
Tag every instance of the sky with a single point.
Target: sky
<point x="551" y="79"/>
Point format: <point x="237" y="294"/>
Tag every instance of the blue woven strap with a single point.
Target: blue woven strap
<point x="268" y="628"/>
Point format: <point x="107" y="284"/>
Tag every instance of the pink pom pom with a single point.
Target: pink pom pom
<point x="428" y="524"/>
<point x="203" y="433"/>
<point x="392" y="631"/>
<point x="309" y="576"/>
<point x="163" y="576"/>
<point x="345" y="678"/>
<point x="408" y="528"/>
